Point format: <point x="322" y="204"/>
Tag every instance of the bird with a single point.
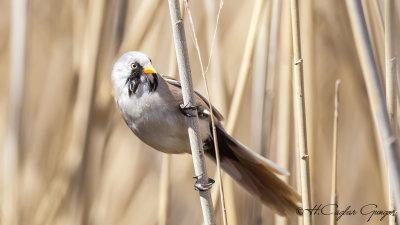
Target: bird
<point x="151" y="104"/>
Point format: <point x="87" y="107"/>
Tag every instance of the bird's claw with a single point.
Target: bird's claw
<point x="186" y="110"/>
<point x="203" y="187"/>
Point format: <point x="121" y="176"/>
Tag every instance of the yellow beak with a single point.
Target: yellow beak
<point x="149" y="70"/>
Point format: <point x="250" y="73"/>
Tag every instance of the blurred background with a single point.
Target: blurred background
<point x="67" y="156"/>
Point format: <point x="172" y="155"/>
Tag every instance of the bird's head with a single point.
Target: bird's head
<point x="131" y="65"/>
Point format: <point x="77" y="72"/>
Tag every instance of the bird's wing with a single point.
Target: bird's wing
<point x="199" y="98"/>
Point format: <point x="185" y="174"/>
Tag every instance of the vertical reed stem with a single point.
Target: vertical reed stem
<point x="390" y="77"/>
<point x="188" y="100"/>
<point x="214" y="130"/>
<point x="217" y="83"/>
<point x="334" y="156"/>
<point x="61" y="184"/>
<point x="260" y="113"/>
<point x="285" y="100"/>
<point x="387" y="138"/>
<point x="10" y="171"/>
<point x="244" y="67"/>
<point x="135" y="32"/>
<point x="300" y="116"/>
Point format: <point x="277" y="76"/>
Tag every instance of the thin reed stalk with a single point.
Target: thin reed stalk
<point x="136" y="31"/>
<point x="284" y="102"/>
<point x="77" y="32"/>
<point x="310" y="81"/>
<point x="239" y="92"/>
<point x="217" y="83"/>
<point x="111" y="38"/>
<point x="390" y="77"/>
<point x="300" y="116"/>
<point x="375" y="27"/>
<point x="268" y="98"/>
<point x="259" y="81"/>
<point x="244" y="66"/>
<point x="188" y="100"/>
<point x="390" y="59"/>
<point x="10" y="155"/>
<point x="284" y="131"/>
<point x="214" y="130"/>
<point x="387" y="138"/>
<point x="260" y="114"/>
<point x="87" y="72"/>
<point x="334" y="153"/>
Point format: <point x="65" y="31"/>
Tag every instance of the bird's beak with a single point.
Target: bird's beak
<point x="149" y="70"/>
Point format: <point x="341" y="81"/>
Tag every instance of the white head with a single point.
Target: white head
<point x="130" y="65"/>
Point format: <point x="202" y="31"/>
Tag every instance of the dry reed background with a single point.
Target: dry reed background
<point x="80" y="164"/>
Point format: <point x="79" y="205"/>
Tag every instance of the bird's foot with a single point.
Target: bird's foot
<point x="203" y="187"/>
<point x="187" y="110"/>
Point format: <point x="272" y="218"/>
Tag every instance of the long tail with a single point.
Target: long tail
<point x="255" y="173"/>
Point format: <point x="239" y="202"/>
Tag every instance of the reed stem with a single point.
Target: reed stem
<point x="10" y="154"/>
<point x="334" y="154"/>
<point x="299" y="109"/>
<point x="188" y="100"/>
<point x="214" y="130"/>
<point x="385" y="133"/>
<point x="390" y="81"/>
<point x="244" y="67"/>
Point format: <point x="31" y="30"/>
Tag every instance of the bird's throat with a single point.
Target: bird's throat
<point x="149" y="82"/>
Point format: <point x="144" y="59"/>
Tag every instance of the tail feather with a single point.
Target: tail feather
<point x="256" y="174"/>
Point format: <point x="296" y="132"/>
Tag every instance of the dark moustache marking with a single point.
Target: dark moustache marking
<point x="133" y="81"/>
<point x="153" y="84"/>
<point x="133" y="86"/>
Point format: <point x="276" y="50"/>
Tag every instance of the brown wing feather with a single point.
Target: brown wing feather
<point x="199" y="99"/>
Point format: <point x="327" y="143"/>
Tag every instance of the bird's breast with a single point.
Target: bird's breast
<point x="156" y="119"/>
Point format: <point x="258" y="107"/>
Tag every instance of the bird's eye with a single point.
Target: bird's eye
<point x="134" y="66"/>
